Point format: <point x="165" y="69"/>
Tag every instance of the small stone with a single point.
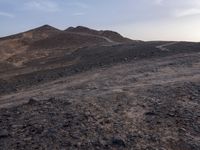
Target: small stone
<point x="182" y="130"/>
<point x="118" y="142"/>
<point x="28" y="139"/>
<point x="17" y="126"/>
<point x="171" y="114"/>
<point x="102" y="142"/>
<point x="150" y="113"/>
<point x="4" y="133"/>
<point x="32" y="101"/>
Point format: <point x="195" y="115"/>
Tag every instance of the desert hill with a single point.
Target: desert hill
<point x="45" y="40"/>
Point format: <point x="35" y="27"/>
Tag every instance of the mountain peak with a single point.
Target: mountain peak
<point x="80" y="29"/>
<point x="39" y="32"/>
<point x="45" y="27"/>
<point x="114" y="36"/>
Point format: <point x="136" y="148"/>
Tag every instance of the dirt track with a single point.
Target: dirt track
<point x="158" y="71"/>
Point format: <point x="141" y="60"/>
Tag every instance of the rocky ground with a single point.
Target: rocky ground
<point x="148" y="104"/>
<point x="113" y="121"/>
<point x="139" y="96"/>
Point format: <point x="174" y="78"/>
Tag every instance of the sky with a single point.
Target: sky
<point x="177" y="20"/>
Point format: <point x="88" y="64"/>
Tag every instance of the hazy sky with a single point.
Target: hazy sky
<point x="137" y="19"/>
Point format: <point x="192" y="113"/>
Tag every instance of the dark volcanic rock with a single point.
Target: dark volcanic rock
<point x="118" y="142"/>
<point x="3" y="133"/>
<point x="32" y="101"/>
<point x="94" y="124"/>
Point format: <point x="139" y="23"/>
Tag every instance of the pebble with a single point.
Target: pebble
<point x="118" y="142"/>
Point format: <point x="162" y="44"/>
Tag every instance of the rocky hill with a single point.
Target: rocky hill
<point x="47" y="41"/>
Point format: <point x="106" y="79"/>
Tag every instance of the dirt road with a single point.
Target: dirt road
<point x="163" y="47"/>
<point x="131" y="76"/>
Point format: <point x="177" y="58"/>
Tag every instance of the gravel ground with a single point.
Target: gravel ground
<point x="161" y="118"/>
<point x="147" y="104"/>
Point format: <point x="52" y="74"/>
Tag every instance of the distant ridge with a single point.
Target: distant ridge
<point x="82" y="29"/>
<point x="106" y="33"/>
<point x="47" y="31"/>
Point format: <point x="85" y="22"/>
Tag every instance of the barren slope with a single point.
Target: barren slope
<point x="46" y="42"/>
<point x="141" y="96"/>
